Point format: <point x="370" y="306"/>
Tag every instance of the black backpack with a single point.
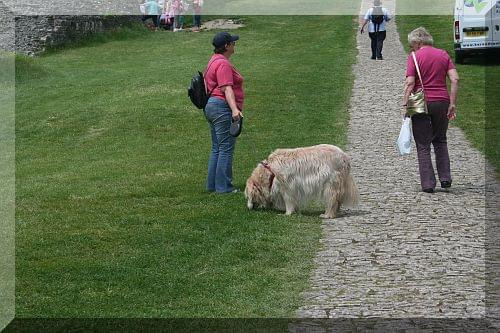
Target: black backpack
<point x="377" y="17"/>
<point x="197" y="91"/>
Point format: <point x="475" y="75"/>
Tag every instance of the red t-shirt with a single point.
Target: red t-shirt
<point x="434" y="65"/>
<point x="221" y="73"/>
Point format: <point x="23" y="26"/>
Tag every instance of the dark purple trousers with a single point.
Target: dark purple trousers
<point x="427" y="129"/>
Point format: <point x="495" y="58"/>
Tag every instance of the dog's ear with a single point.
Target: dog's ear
<point x="251" y="186"/>
<point x="249" y="189"/>
<point x="255" y="186"/>
<point x="279" y="176"/>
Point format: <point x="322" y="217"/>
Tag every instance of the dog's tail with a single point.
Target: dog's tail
<point x="350" y="196"/>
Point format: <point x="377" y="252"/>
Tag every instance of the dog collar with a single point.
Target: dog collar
<point x="272" y="176"/>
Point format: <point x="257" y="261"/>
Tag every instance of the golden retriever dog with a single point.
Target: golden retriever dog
<point x="291" y="178"/>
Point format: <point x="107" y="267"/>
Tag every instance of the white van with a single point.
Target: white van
<point x="477" y="27"/>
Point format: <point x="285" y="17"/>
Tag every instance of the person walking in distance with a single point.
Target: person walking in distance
<point x="377" y="16"/>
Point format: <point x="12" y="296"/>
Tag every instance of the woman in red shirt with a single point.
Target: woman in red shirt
<point x="435" y="65"/>
<point x="225" y="105"/>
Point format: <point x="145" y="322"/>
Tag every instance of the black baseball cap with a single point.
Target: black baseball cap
<point x="223" y="38"/>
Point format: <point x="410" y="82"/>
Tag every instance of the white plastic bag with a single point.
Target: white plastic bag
<point x="404" y="139"/>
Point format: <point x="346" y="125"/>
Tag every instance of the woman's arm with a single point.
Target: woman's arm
<point x="453" y="76"/>
<point x="365" y="21"/>
<point x="231" y="100"/>
<point x="409" y="85"/>
<point x="387" y="15"/>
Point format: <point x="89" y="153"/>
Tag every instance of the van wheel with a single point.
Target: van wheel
<point x="459" y="57"/>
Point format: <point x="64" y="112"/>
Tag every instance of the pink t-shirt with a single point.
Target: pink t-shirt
<point x="197" y="6"/>
<point x="176" y="7"/>
<point x="434" y="65"/>
<point x="221" y="73"/>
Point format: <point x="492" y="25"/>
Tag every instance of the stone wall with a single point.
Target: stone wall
<point x="6" y="28"/>
<point x="33" y="34"/>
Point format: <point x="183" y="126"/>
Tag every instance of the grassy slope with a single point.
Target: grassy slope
<point x="112" y="217"/>
<point x="477" y="108"/>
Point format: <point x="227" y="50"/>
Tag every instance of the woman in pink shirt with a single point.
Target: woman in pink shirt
<point x="225" y="84"/>
<point x="435" y="66"/>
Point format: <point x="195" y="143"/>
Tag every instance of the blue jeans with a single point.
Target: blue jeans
<point x="178" y="21"/>
<point x="197" y="21"/>
<point x="220" y="163"/>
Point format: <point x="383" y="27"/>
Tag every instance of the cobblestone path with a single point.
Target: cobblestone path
<point x="403" y="253"/>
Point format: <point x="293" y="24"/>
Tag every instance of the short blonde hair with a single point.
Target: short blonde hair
<point x="420" y="36"/>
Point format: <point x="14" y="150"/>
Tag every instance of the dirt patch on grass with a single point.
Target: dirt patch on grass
<point x="222" y="24"/>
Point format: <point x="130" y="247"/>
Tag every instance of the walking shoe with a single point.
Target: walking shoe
<point x="428" y="190"/>
<point x="445" y="184"/>
<point x="373" y="58"/>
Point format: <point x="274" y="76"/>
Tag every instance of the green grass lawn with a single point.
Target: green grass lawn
<point x="478" y="111"/>
<point x="7" y="191"/>
<point x="111" y="213"/>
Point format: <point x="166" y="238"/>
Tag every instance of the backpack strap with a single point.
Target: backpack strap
<point x="208" y="67"/>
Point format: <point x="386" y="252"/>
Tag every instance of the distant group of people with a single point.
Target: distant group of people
<point x="169" y="14"/>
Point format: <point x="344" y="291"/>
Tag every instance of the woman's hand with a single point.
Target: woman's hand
<point x="404" y="111"/>
<point x="363" y="26"/>
<point x="236" y="114"/>
<point x="453" y="76"/>
<point x="231" y="101"/>
<point x="452" y="112"/>
<point x="408" y="88"/>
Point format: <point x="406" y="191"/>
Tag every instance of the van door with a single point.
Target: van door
<point x="495" y="23"/>
<point x="474" y="26"/>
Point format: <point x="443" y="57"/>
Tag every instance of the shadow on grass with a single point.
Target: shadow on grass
<point x="27" y="68"/>
<point x="316" y="212"/>
<point x="131" y="32"/>
<point x="485" y="59"/>
<point x="307" y="212"/>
